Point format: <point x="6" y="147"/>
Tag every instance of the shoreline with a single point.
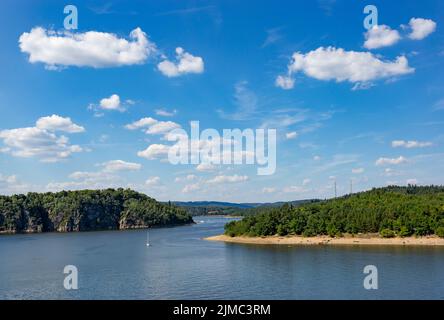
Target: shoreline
<point x="29" y="231"/>
<point x="326" y="240"/>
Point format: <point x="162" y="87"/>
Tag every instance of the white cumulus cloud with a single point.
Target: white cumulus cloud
<point x="203" y="167"/>
<point x="291" y="135"/>
<point x="162" y="127"/>
<point x="154" y="151"/>
<point x="228" y="179"/>
<point x="95" y="49"/>
<point x="11" y="185"/>
<point x="381" y="36"/>
<point x="411" y="144"/>
<point x="58" y="123"/>
<point x="189" y="177"/>
<point x="337" y="64"/>
<point x="111" y="103"/>
<point x="421" y="28"/>
<point x="152" y="181"/>
<point x="153" y="126"/>
<point x="284" y="82"/>
<point x="120" y="165"/>
<point x="191" y="187"/>
<point x="142" y="123"/>
<point x="166" y="113"/>
<point x="86" y="180"/>
<point x="390" y="161"/>
<point x="186" y="63"/>
<point x="41" y="141"/>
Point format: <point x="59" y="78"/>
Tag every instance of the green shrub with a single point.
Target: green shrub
<point x="404" y="232"/>
<point x="308" y="233"/>
<point x="282" y="230"/>
<point x="387" y="233"/>
<point x="332" y="231"/>
<point x="440" y="232"/>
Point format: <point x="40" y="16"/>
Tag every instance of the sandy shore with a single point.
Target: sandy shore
<point x="325" y="240"/>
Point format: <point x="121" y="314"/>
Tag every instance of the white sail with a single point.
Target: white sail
<point x="147" y="238"/>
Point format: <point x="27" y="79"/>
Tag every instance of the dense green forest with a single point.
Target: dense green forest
<point x="86" y="210"/>
<point x="391" y="211"/>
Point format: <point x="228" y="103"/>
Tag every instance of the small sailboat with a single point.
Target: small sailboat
<point x="147" y="238"/>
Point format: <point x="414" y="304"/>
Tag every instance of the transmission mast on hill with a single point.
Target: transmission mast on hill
<point x="335" y="190"/>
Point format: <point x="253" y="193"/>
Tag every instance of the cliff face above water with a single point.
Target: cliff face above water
<point x="86" y="210"/>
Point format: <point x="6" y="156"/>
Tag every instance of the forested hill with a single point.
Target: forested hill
<point x="391" y="211"/>
<point x="86" y="210"/>
<point x="198" y="208"/>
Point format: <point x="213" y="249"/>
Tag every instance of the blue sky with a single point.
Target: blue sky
<point x="354" y="105"/>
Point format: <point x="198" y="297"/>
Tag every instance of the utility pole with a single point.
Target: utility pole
<point x="335" y="190"/>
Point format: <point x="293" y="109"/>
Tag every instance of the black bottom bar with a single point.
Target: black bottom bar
<point x="246" y="309"/>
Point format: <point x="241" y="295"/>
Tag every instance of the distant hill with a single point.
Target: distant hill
<point x="230" y="208"/>
<point x="213" y="204"/>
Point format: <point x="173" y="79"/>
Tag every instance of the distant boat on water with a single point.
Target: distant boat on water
<point x="147" y="238"/>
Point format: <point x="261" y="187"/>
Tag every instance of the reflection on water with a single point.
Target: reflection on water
<point x="180" y="265"/>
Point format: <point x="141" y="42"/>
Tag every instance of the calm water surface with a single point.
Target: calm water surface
<point x="180" y="265"/>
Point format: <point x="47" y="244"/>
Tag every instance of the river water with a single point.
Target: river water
<point x="180" y="265"/>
